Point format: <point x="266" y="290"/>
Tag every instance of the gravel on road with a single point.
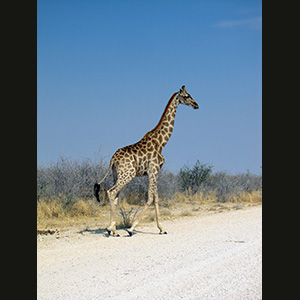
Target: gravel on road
<point x="217" y="256"/>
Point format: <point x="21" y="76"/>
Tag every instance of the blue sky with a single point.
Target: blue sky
<point x="106" y="70"/>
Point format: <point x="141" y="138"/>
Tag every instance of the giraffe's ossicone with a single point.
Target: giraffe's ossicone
<point x="143" y="158"/>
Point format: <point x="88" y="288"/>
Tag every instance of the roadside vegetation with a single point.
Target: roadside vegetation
<point x="65" y="193"/>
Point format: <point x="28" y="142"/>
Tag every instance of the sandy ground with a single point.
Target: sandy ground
<point x="218" y="256"/>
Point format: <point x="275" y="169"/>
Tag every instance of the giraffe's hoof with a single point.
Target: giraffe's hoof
<point x="129" y="232"/>
<point x="163" y="232"/>
<point x="113" y="233"/>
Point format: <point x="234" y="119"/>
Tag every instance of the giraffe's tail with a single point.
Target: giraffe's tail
<point x="97" y="185"/>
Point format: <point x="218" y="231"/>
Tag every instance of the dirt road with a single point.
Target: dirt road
<point x="217" y="256"/>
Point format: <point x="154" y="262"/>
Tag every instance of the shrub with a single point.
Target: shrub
<point x="225" y="185"/>
<point x="127" y="214"/>
<point x="193" y="178"/>
<point x="67" y="180"/>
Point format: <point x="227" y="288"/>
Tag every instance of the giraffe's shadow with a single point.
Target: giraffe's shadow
<point x="93" y="231"/>
<point x="104" y="232"/>
<point x="146" y="232"/>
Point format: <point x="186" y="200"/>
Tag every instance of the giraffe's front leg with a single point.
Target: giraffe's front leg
<point x="152" y="187"/>
<point x="161" y="229"/>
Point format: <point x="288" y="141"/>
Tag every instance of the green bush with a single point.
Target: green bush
<point x="193" y="178"/>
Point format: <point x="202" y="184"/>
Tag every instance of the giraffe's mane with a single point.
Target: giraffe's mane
<point x="163" y="115"/>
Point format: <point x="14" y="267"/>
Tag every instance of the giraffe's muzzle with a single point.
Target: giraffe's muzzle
<point x="195" y="105"/>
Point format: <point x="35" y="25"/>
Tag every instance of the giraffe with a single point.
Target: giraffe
<point x="143" y="158"/>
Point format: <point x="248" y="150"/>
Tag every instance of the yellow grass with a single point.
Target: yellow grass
<point x="53" y="214"/>
<point x="253" y="197"/>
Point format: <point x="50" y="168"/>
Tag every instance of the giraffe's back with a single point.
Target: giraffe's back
<point x="138" y="156"/>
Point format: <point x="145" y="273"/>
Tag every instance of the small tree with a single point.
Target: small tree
<point x="193" y="178"/>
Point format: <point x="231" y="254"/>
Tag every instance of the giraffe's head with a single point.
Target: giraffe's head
<point x="186" y="99"/>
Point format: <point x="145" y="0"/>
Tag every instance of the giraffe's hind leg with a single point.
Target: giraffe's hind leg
<point x="113" y="193"/>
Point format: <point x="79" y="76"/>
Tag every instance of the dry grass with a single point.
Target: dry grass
<point x="253" y="197"/>
<point x="53" y="214"/>
<point x="128" y="213"/>
<point x="199" y="198"/>
<point x="49" y="210"/>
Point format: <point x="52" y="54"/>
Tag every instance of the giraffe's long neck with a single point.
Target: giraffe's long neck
<point x="163" y="130"/>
